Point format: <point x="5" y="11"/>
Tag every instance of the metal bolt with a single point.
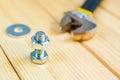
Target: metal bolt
<point x="40" y="41"/>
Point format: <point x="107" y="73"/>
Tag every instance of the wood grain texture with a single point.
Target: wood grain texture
<point x="68" y="60"/>
<point x="18" y="52"/>
<point x="111" y="32"/>
<point x="6" y="70"/>
<point x="112" y="7"/>
<point x="105" y="45"/>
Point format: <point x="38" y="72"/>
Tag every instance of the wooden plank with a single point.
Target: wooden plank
<point x="105" y="45"/>
<point x="107" y="19"/>
<point x="110" y="20"/>
<point x="16" y="49"/>
<point x="112" y="6"/>
<point x="58" y="8"/>
<point x="68" y="59"/>
<point x="6" y="70"/>
<point x="107" y="39"/>
<point x="20" y="59"/>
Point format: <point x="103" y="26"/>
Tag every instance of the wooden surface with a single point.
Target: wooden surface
<point x="95" y="59"/>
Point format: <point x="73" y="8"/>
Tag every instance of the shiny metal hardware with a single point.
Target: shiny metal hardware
<point x="40" y="41"/>
<point x="17" y="30"/>
<point x="80" y="25"/>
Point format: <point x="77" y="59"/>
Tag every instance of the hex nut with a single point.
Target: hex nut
<point x="38" y="45"/>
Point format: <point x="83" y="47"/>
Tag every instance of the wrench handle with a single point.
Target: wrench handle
<point x="91" y="5"/>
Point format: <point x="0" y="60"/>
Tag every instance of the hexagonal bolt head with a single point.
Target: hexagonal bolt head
<point x="38" y="58"/>
<point x="40" y="41"/>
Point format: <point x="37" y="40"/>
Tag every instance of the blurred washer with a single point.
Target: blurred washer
<point x="17" y="30"/>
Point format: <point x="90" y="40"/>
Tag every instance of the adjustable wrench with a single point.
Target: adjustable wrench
<point x="80" y="22"/>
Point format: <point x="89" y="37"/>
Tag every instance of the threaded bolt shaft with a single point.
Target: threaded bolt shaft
<point x="40" y="36"/>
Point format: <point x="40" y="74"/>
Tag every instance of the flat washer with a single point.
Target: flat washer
<point x="18" y="30"/>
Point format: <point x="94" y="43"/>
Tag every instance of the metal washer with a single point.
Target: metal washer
<point x="24" y="30"/>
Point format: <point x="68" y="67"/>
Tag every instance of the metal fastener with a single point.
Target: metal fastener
<point x="17" y="30"/>
<point x="40" y="41"/>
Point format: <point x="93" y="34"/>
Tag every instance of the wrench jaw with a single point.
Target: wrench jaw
<point x="81" y="26"/>
<point x="65" y="23"/>
<point x="86" y="31"/>
<point x="83" y="36"/>
<point x="68" y="23"/>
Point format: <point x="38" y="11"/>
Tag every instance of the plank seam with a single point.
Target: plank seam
<point x="101" y="60"/>
<point x="111" y="13"/>
<point x="10" y="62"/>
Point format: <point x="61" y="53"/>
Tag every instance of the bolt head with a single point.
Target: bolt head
<point x="38" y="58"/>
